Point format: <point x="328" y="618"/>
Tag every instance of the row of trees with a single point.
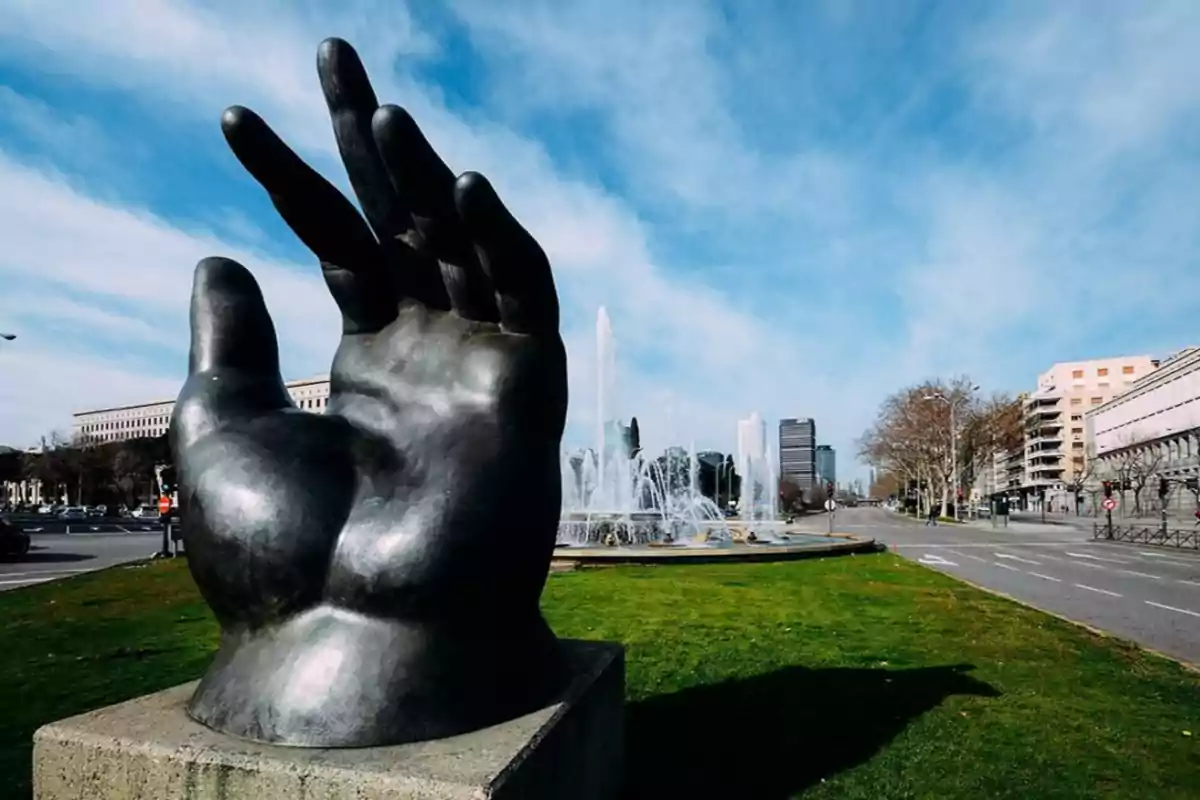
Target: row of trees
<point x="84" y="473"/>
<point x="912" y="438"/>
<point x="1134" y="468"/>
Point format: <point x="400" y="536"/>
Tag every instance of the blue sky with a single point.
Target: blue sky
<point x="794" y="208"/>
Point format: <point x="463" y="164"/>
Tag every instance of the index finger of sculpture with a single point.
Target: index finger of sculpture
<point x="352" y="103"/>
<point x="321" y="216"/>
<point x="233" y="364"/>
<point x="511" y="257"/>
<point x="427" y="185"/>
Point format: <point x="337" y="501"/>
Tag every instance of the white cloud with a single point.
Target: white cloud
<point x="136" y="271"/>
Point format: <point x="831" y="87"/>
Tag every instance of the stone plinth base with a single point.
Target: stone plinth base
<point x="148" y="749"/>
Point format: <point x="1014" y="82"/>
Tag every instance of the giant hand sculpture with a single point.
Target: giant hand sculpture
<point x="376" y="570"/>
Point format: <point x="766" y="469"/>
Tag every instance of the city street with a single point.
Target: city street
<point x="1146" y="594"/>
<point x="55" y="555"/>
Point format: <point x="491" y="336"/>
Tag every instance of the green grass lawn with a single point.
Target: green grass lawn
<point x="856" y="677"/>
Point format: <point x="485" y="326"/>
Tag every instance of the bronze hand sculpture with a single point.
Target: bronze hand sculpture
<point x="376" y="570"/>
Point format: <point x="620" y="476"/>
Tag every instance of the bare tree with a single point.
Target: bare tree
<point x="1081" y="479"/>
<point x="911" y="438"/>
<point x="1134" y="463"/>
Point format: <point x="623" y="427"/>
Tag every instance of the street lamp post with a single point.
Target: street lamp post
<point x="952" y="404"/>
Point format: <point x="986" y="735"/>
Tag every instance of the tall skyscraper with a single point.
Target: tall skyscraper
<point x="826" y="458"/>
<point x="797" y="451"/>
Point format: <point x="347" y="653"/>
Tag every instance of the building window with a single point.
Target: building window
<point x="1097" y="401"/>
<point x="1076" y="373"/>
<point x="1075" y="401"/>
<point x="1076" y="445"/>
<point x="1126" y="370"/>
<point x="1103" y="384"/>
<point x="1077" y="431"/>
<point x="1076" y="417"/>
<point x="1102" y="371"/>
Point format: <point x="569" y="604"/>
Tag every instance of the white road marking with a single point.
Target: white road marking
<point x="1005" y="566"/>
<point x="1089" y="564"/>
<point x="1101" y="558"/>
<point x="1046" y="577"/>
<point x="935" y="560"/>
<point x="1187" y="562"/>
<point x="966" y="555"/>
<point x="41" y="572"/>
<point x="1101" y="591"/>
<point x="1173" y="608"/>
<point x="1189" y="583"/>
<point x="26" y="581"/>
<point x="1018" y="558"/>
<point x="1140" y="574"/>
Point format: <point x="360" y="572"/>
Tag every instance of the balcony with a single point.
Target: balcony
<point x="1050" y="440"/>
<point x="1046" y="475"/>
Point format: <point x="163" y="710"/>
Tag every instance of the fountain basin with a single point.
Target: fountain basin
<point x="785" y="547"/>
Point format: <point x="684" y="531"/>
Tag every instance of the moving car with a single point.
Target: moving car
<point x="14" y="542"/>
<point x="73" y="512"/>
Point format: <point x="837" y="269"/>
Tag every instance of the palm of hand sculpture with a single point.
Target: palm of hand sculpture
<point x="376" y="570"/>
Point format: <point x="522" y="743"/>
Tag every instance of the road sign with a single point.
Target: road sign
<point x="830" y="504"/>
<point x="164" y="505"/>
<point x="1109" y="503"/>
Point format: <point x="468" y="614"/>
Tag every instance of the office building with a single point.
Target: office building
<point x="826" y="459"/>
<point x="798" y="451"/>
<point x="1055" y="436"/>
<point x="1153" y="428"/>
<point x="118" y="424"/>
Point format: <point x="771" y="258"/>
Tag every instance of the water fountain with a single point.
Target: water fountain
<point x="621" y="506"/>
<point x="613" y="492"/>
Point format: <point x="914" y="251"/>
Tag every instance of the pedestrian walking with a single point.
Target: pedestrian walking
<point x="933" y="516"/>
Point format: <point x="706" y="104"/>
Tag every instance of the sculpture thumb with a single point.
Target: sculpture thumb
<point x="233" y="367"/>
<point x="231" y="328"/>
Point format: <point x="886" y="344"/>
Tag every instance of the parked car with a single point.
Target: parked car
<point x="98" y="511"/>
<point x="73" y="512"/>
<point x="45" y="509"/>
<point x="14" y="542"/>
<point x="144" y="512"/>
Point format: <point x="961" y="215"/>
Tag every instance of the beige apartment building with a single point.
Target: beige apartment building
<point x="151" y="419"/>
<point x="1056" y="443"/>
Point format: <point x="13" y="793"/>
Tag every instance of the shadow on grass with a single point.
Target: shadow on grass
<point x="774" y="735"/>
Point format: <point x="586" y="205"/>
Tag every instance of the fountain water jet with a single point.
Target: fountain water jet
<point x="612" y="492"/>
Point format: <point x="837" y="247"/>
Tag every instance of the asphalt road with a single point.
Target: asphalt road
<point x="36" y="526"/>
<point x="1150" y="595"/>
<point x="57" y="555"/>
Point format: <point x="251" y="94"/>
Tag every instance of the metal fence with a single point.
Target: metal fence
<point x="1142" y="534"/>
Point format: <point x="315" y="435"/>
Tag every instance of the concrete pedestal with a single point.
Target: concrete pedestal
<point x="148" y="749"/>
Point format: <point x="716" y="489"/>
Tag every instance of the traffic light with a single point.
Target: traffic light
<point x="1108" y="488"/>
<point x="1164" y="487"/>
<point x="829" y="488"/>
<point x="168" y="480"/>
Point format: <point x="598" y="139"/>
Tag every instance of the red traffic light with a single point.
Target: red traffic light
<point x="1108" y="488"/>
